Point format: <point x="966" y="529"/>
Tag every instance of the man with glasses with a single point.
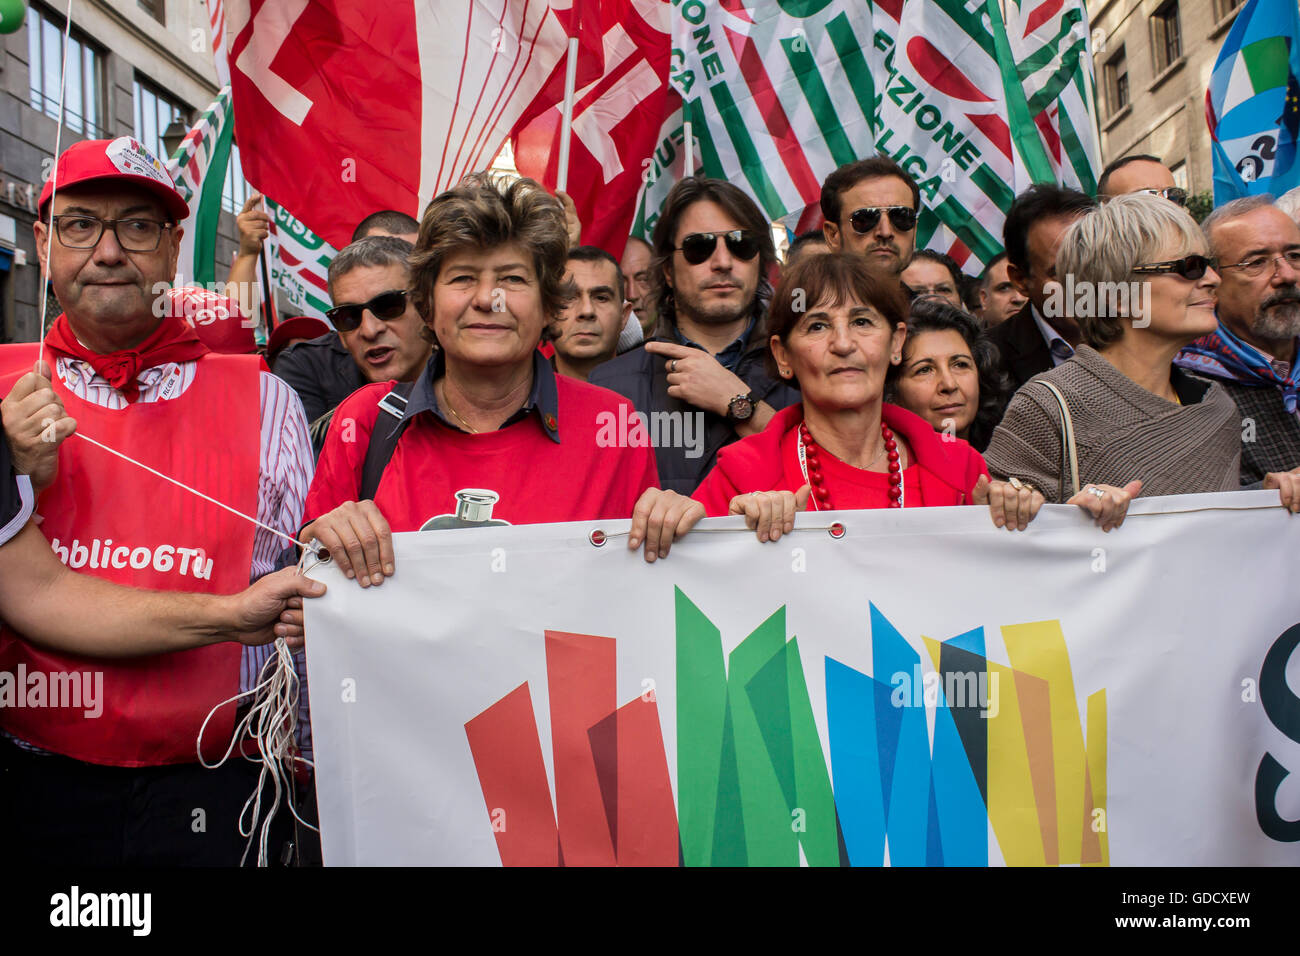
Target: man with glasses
<point x="934" y="274"/>
<point x="703" y="373"/>
<point x="870" y="208"/>
<point x="122" y="786"/>
<point x="1252" y="354"/>
<point x="1140" y="173"/>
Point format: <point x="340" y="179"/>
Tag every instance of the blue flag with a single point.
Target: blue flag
<point x="1253" y="103"/>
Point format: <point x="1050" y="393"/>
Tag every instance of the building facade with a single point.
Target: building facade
<point x="1153" y="60"/>
<point x="133" y="67"/>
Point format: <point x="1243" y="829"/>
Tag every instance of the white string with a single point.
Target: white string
<point x="54" y="177"/>
<point x="194" y="491"/>
<point x="270" y="722"/>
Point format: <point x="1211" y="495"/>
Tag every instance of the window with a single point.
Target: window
<point x="1180" y="175"/>
<point x="83" y="107"/>
<point x="154" y="112"/>
<point x="235" y="191"/>
<point x="1166" y="36"/>
<point x="155" y="8"/>
<point x="1117" y="81"/>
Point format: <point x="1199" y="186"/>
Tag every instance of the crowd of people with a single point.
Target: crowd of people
<point x="473" y="362"/>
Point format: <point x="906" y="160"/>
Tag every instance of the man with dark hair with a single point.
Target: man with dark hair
<point x="812" y="241"/>
<point x="1032" y="341"/>
<point x="999" y="299"/>
<point x="702" y="377"/>
<point x="388" y="222"/>
<point x="933" y="273"/>
<point x="1253" y="353"/>
<point x="586" y="331"/>
<point x="635" y="269"/>
<point x="870" y="207"/>
<point x="1140" y="173"/>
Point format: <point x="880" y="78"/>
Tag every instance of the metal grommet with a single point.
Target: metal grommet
<point x="837" y="530"/>
<point x="597" y="538"/>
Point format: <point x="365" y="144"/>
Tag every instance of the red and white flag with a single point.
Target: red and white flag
<point x="616" y="118"/>
<point x="346" y="108"/>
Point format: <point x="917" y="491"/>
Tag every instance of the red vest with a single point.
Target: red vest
<point x="106" y="517"/>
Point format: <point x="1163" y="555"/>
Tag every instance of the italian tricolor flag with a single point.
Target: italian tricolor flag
<point x="206" y="147"/>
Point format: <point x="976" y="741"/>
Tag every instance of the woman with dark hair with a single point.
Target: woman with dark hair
<point x="950" y="374"/>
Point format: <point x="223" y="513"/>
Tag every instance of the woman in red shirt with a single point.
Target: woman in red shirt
<point x="835" y="329"/>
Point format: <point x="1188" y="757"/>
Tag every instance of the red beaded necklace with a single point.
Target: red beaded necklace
<point x="812" y="469"/>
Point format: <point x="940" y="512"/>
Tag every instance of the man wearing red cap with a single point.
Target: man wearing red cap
<point x="124" y="787"/>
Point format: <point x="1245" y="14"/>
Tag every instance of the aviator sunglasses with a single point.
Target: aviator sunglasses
<point x="902" y="218"/>
<point x="699" y="246"/>
<point x="1189" y="267"/>
<point x="387" y="305"/>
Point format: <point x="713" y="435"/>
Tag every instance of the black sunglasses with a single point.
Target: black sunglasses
<point x="699" y="246"/>
<point x="1174" y="194"/>
<point x="902" y="218"/>
<point x="387" y="305"/>
<point x="1189" y="267"/>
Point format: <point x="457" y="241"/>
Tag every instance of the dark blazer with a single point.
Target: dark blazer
<point x="642" y="378"/>
<point x="1022" y="350"/>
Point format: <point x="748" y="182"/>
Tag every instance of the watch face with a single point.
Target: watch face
<point x="741" y="408"/>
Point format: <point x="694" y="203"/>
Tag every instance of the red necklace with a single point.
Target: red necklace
<point x="812" y="469"/>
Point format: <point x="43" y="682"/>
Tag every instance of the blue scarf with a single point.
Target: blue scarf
<point x="1222" y="355"/>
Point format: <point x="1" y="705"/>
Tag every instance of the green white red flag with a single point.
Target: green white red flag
<point x="299" y="261"/>
<point x="206" y="148"/>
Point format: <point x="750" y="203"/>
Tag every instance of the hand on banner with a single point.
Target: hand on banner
<point x="659" y="518"/>
<point x="358" y="538"/>
<point x="35" y="424"/>
<point x="1106" y="503"/>
<point x="571" y="221"/>
<point x="697" y="377"/>
<point x="771" y="513"/>
<point x="272" y="607"/>
<point x="1012" y="504"/>
<point x="254" y="226"/>
<point x="1288" y="485"/>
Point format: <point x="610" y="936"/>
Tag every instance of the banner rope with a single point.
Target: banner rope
<point x="54" y="175"/>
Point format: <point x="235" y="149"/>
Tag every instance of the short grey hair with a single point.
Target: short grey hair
<point x="1289" y="203"/>
<point x="1233" y="210"/>
<point x="377" y="251"/>
<point x="1108" y="243"/>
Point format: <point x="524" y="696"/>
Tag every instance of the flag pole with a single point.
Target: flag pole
<point x="268" y="294"/>
<point x="688" y="143"/>
<point x="566" y="120"/>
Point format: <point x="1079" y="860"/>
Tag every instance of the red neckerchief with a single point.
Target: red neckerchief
<point x="172" y="341"/>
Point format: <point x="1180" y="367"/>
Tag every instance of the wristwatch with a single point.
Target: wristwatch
<point x="741" y="408"/>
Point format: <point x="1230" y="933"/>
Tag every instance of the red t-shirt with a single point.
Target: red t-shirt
<point x="581" y="477"/>
<point x="944" y="471"/>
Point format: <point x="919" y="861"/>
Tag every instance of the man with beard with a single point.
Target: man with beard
<point x="1253" y="352"/>
<point x="870" y="208"/>
<point x="586" y="331"/>
<point x="701" y="379"/>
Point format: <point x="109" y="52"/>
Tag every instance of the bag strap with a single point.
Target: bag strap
<point x="384" y="437"/>
<point x="1069" y="451"/>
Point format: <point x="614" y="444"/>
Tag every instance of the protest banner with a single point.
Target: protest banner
<point x="924" y="689"/>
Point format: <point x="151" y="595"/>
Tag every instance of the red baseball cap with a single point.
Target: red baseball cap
<point x="124" y="158"/>
<point x="299" y="327"/>
<point x="217" y="319"/>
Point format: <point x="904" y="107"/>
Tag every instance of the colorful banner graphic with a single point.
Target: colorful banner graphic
<point x="926" y="690"/>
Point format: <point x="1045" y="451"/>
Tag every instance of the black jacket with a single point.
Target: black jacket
<point x="322" y="372"/>
<point x="1021" y="346"/>
<point x="642" y="378"/>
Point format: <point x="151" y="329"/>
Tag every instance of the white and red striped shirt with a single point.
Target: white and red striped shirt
<point x="285" y="469"/>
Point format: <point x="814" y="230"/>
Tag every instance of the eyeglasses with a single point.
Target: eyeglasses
<point x="902" y="218"/>
<point x="1254" y="266"/>
<point x="386" y="306"/>
<point x="700" y="246"/>
<point x="1174" y="194"/>
<point x="1189" y="267"/>
<point x="133" y="235"/>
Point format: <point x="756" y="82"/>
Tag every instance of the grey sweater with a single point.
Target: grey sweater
<point x="1122" y="432"/>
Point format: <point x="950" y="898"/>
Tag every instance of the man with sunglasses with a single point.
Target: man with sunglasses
<point x="121" y="786"/>
<point x="870" y="208"/>
<point x="705" y="366"/>
<point x="1140" y="173"/>
<point x="1252" y="353"/>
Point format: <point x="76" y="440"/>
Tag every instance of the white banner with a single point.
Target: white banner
<point x="925" y="689"/>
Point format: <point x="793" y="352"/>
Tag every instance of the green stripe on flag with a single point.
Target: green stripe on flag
<point x="1266" y="62"/>
<point x="976" y="237"/>
<point x="853" y="63"/>
<point x="209" y="211"/>
<point x="993" y="187"/>
<point x="320" y="305"/>
<point x="1077" y="154"/>
<point x="1058" y="81"/>
<point x="819" y="100"/>
<point x="1024" y="133"/>
<point x="750" y="163"/>
<point x="927" y="223"/>
<point x="1047" y="52"/>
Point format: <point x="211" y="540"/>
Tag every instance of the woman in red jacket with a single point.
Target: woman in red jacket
<point x="835" y="328"/>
